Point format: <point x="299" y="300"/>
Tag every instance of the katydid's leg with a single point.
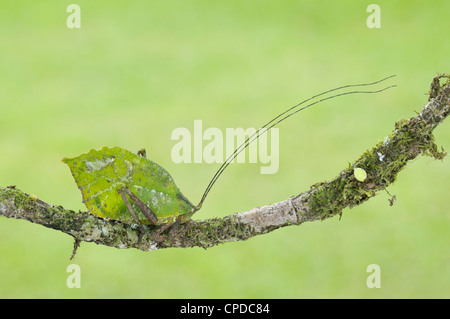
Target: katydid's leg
<point x="127" y="203"/>
<point x="162" y="229"/>
<point x="172" y="232"/>
<point x="174" y="228"/>
<point x="144" y="208"/>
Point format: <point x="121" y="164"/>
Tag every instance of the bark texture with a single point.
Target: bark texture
<point x="409" y="139"/>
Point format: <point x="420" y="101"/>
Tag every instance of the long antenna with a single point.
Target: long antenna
<point x="273" y="122"/>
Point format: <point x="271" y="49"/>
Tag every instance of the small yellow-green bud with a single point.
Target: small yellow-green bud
<point x="360" y="174"/>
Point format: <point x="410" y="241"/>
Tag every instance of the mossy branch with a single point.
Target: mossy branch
<point x="382" y="163"/>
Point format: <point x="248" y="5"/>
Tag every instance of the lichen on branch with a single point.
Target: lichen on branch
<point x="409" y="139"/>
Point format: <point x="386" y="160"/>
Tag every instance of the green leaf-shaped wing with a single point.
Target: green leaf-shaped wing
<point x="101" y="174"/>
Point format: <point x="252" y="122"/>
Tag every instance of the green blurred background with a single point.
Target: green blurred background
<point x="137" y="70"/>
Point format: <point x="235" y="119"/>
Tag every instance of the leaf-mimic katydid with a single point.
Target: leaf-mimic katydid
<point x="120" y="185"/>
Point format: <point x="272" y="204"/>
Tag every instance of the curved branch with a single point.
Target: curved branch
<point x="382" y="163"/>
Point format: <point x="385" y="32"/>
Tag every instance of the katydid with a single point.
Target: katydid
<point x="121" y="185"/>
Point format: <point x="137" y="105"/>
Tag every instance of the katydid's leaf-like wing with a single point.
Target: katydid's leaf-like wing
<point x="100" y="174"/>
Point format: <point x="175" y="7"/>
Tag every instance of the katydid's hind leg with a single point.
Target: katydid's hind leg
<point x="149" y="214"/>
<point x="174" y="228"/>
<point x="157" y="233"/>
<point x="130" y="209"/>
<point x="172" y="232"/>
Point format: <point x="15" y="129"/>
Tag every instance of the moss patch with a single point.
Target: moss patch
<point x="382" y="163"/>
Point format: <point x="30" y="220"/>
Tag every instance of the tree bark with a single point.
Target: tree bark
<point x="409" y="139"/>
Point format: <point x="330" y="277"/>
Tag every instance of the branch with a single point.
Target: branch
<point x="382" y="163"/>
